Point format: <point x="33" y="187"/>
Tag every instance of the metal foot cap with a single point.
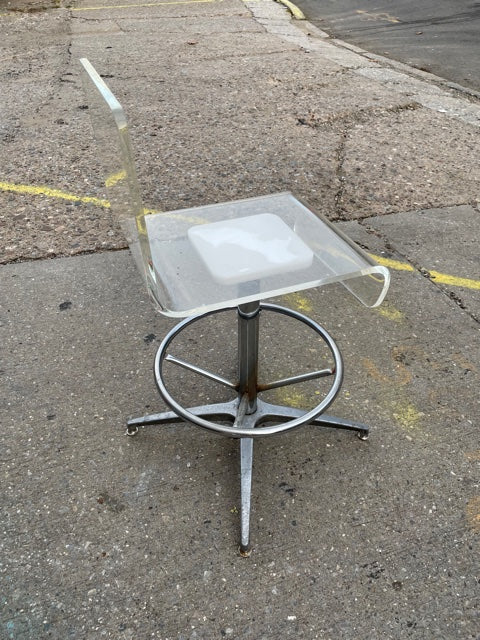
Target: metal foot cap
<point x="245" y="550"/>
<point x="131" y="431"/>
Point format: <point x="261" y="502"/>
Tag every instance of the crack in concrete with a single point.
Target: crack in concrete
<point x="349" y="119"/>
<point x="341" y="154"/>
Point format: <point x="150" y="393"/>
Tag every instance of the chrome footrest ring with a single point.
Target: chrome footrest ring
<point x="238" y="431"/>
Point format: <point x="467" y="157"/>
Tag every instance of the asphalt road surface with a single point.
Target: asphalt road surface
<point x="440" y="36"/>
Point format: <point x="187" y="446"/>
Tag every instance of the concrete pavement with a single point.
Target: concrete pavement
<point x="105" y="536"/>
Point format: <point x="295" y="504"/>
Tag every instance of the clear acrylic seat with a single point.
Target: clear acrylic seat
<point x="199" y="261"/>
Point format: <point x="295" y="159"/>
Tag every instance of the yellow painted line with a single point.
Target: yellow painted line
<point x="28" y="189"/>
<point x="392" y="264"/>
<point x="143" y="4"/>
<point x="379" y="16"/>
<point x="51" y="193"/>
<point x="454" y="281"/>
<point x="294" y="10"/>
<point x="175" y="216"/>
<point x="115" y="178"/>
<point x="437" y="276"/>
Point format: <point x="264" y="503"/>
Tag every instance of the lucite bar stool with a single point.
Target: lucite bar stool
<point x="204" y="260"/>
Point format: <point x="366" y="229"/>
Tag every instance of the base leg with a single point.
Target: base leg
<point x="278" y="413"/>
<point x="218" y="411"/>
<point x="246" y="463"/>
<point x="341" y="423"/>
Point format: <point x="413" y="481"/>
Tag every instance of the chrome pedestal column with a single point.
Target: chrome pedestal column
<point x="248" y="326"/>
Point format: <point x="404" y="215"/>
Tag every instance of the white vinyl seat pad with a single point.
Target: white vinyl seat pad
<point x="249" y="248"/>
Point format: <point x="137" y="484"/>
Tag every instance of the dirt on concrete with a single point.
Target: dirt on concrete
<point x="29" y="6"/>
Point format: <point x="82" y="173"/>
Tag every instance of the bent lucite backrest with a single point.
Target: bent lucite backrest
<point x="119" y="175"/>
<point x="221" y="255"/>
